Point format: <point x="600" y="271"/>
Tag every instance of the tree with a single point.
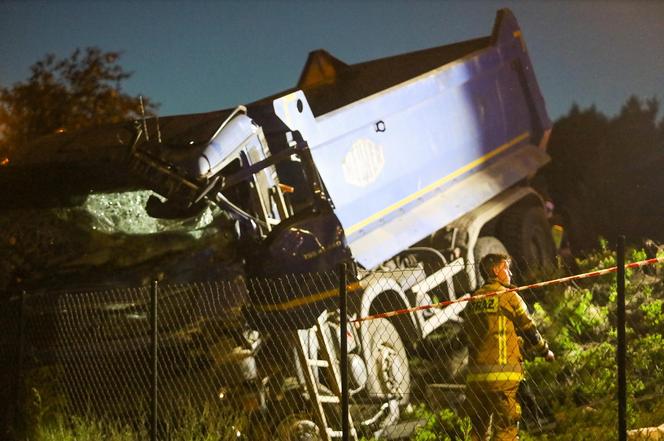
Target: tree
<point x="605" y="173"/>
<point x="64" y="95"/>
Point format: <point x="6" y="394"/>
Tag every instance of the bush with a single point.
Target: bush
<point x="579" y="388"/>
<point x="444" y="425"/>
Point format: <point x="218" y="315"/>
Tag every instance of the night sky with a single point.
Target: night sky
<point x="198" y="56"/>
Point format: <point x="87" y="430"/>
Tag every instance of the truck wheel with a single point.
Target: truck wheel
<point x="297" y="428"/>
<point x="527" y="235"/>
<point x="486" y="245"/>
<point x="388" y="373"/>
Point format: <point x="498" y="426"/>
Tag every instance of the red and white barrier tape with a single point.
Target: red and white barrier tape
<point x="468" y="297"/>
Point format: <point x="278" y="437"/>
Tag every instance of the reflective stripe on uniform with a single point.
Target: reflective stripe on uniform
<point x="488" y="368"/>
<point x="495" y="376"/>
<point x="502" y="340"/>
<point x="521" y="309"/>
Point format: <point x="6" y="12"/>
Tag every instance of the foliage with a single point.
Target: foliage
<point x="82" y="429"/>
<point x="66" y="94"/>
<point x="444" y="425"/>
<point x="192" y="423"/>
<point x="576" y="394"/>
<point x="45" y="402"/>
<point x="578" y="390"/>
<point x="213" y="423"/>
<point x="604" y="176"/>
<point x="48" y="416"/>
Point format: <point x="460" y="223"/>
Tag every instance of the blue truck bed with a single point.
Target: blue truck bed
<point x="407" y="144"/>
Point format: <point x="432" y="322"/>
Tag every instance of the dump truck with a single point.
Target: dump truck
<point x="412" y="167"/>
<point x="408" y="168"/>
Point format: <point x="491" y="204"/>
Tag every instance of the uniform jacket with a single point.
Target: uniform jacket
<point x="492" y="327"/>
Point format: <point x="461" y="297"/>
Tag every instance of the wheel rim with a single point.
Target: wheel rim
<point x="305" y="431"/>
<point x="298" y="429"/>
<point x="390" y="367"/>
<point x="388" y="372"/>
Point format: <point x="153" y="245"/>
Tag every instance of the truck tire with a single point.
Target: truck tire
<point x="527" y="235"/>
<point x="486" y="245"/>
<point x="298" y="427"/>
<point x="388" y="372"/>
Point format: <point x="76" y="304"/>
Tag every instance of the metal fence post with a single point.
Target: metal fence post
<point x="19" y="362"/>
<point x="343" y="331"/>
<point x="622" y="346"/>
<point x="155" y="354"/>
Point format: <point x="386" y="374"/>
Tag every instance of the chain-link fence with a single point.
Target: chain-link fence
<point x="261" y="359"/>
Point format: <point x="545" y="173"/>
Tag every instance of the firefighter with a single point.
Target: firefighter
<point x="494" y="327"/>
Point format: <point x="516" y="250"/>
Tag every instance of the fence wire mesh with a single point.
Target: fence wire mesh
<point x="258" y="359"/>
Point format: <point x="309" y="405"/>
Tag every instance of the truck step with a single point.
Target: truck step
<point x="338" y="433"/>
<point x="318" y="363"/>
<point x="333" y="399"/>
